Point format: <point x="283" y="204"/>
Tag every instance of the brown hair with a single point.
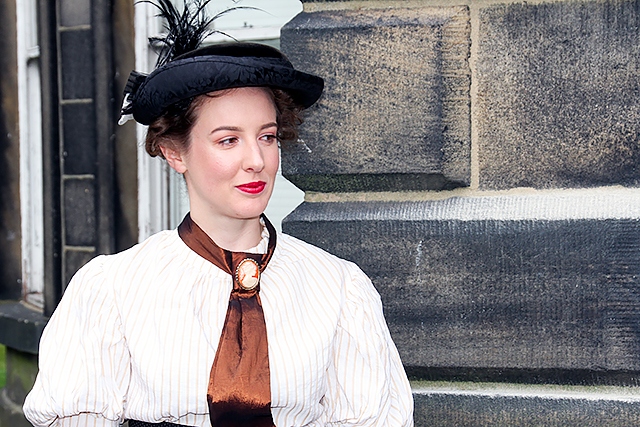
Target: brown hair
<point x="173" y="128"/>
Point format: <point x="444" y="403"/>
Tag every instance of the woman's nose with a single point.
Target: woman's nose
<point x="254" y="158"/>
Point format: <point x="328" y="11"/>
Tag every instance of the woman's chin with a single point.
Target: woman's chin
<point x="251" y="213"/>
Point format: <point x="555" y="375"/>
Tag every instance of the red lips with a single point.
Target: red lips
<point x="255" y="187"/>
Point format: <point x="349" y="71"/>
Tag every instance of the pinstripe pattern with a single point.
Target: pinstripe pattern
<point x="136" y="333"/>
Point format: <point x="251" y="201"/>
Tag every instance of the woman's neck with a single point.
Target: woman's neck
<point x="236" y="235"/>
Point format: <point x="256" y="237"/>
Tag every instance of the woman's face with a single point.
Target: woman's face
<point x="232" y="159"/>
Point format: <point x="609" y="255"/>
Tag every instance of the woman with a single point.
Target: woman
<point x="223" y="321"/>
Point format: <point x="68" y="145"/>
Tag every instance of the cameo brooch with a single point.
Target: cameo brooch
<point x="248" y="274"/>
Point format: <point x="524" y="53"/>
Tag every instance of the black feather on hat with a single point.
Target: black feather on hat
<point x="185" y="71"/>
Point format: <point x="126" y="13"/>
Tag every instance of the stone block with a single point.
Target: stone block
<point x="73" y="260"/>
<point x="395" y="113"/>
<point x="558" y="94"/>
<point x="76" y="55"/>
<point x="75" y="12"/>
<point x="79" y="200"/>
<point x="517" y="406"/>
<point x="541" y="282"/>
<point x="79" y="132"/>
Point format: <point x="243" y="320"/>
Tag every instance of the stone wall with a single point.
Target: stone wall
<point x="84" y="161"/>
<point x="480" y="161"/>
<point x="10" y="232"/>
<point x="85" y="64"/>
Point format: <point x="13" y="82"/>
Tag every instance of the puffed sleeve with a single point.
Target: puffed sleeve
<point x="367" y="382"/>
<point x="83" y="359"/>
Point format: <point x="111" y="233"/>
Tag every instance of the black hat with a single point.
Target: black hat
<point x="212" y="68"/>
<point x="184" y="70"/>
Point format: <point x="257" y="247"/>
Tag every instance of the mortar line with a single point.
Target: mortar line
<point x="410" y="4"/>
<point x="419" y="196"/>
<point x="539" y="393"/>
<point x="474" y="21"/>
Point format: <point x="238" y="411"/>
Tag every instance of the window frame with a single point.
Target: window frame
<point x="31" y="158"/>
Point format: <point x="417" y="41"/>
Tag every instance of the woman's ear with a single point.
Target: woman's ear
<point x="174" y="159"/>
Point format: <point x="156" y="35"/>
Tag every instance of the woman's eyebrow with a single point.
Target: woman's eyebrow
<point x="269" y="125"/>
<point x="238" y="129"/>
<point x="231" y="128"/>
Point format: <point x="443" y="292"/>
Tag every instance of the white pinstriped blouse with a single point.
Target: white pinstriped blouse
<point x="135" y="335"/>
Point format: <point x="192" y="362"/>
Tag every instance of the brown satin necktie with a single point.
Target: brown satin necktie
<point x="239" y="392"/>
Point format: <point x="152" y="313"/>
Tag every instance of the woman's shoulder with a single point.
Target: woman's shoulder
<point x="156" y="244"/>
<point x="136" y="269"/>
<point x="158" y="241"/>
<point x="158" y="248"/>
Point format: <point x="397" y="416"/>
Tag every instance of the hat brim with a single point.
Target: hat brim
<point x="188" y="77"/>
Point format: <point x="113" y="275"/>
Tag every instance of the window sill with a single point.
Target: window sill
<point x="20" y="326"/>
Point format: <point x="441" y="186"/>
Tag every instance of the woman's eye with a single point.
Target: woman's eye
<point x="228" y="141"/>
<point x="270" y="138"/>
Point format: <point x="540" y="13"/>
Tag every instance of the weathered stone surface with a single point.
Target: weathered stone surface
<point x="395" y="111"/>
<point x="10" y="225"/>
<point x="537" y="282"/>
<point x="76" y="55"/>
<point x="515" y="407"/>
<point x="75" y="12"/>
<point x="79" y="212"/>
<point x="558" y="94"/>
<point x="79" y="132"/>
<point x="20" y="327"/>
<point x="73" y="260"/>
